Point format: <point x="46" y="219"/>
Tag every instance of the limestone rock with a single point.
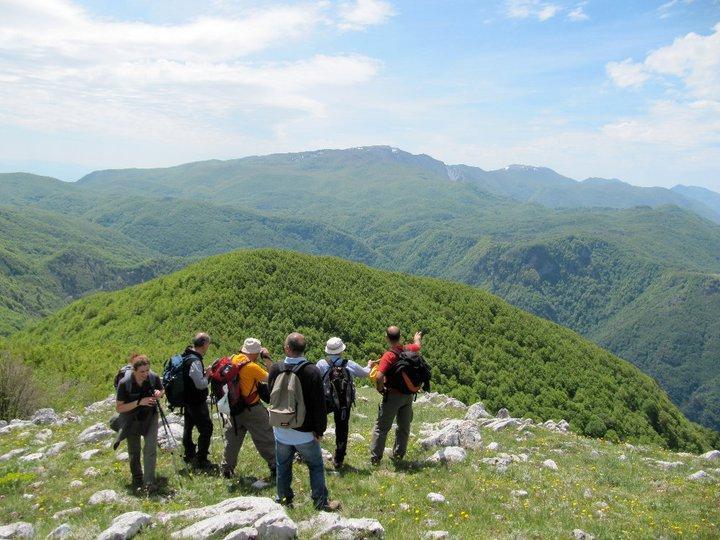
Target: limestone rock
<point x="436" y="535"/>
<point x="667" y="465"/>
<point x="43" y="436"/>
<point x="550" y="464"/>
<point x="700" y="475"/>
<point x="96" y="432"/>
<point x="218" y="524"/>
<point x="45" y="417"/>
<point x="439" y="400"/>
<point x="88" y="454"/>
<point x="174" y="440"/>
<point x="12" y="454"/>
<point x="327" y="456"/>
<point x="436" y="498"/>
<point x="477" y="411"/>
<point x="69" y="512"/>
<point x="276" y="526"/>
<point x="519" y="493"/>
<point x="106" y="496"/>
<point x="55" y="449"/>
<point x="246" y="533"/>
<point x="125" y="526"/>
<point x="579" y="534"/>
<point x="61" y="531"/>
<point x="493" y="446"/>
<point x="91" y="471"/>
<point x="100" y="406"/>
<point x="503" y="413"/>
<point x="462" y="433"/>
<point x="20" y="529"/>
<point x="15" y="424"/>
<point x="3" y="423"/>
<point x="260" y="484"/>
<point x="258" y="505"/>
<point x="622" y="457"/>
<point x="32" y="457"/>
<point x="449" y="454"/>
<point x="122" y="456"/>
<point x="325" y="524"/>
<point x="75" y="484"/>
<point x="356" y="437"/>
<point x="712" y="454"/>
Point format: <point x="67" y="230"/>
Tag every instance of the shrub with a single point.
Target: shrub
<point x="20" y="395"/>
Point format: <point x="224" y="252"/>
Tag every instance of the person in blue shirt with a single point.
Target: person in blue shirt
<point x="334" y="349"/>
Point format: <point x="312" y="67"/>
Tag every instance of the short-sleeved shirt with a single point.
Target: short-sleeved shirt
<point x="389" y="358"/>
<point x="136" y="392"/>
<point x="250" y="375"/>
<point x="354" y="369"/>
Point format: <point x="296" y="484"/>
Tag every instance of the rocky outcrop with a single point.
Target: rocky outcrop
<point x="125" y="526"/>
<point x="324" y="525"/>
<point x="19" y="529"/>
<point x="463" y="433"/>
<point x="45" y="417"/>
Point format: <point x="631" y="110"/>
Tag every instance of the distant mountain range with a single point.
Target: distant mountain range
<point x="635" y="269"/>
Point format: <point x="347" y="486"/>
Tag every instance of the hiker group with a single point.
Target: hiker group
<point x="301" y="394"/>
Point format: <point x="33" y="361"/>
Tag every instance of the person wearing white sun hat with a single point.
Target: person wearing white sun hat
<point x="339" y="385"/>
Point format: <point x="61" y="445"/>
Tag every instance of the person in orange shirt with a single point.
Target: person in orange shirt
<point x="253" y="417"/>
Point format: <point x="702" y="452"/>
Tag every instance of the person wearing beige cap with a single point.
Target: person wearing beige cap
<point x="249" y="416"/>
<point x="339" y="383"/>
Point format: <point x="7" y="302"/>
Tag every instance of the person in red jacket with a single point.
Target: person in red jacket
<point x="395" y="404"/>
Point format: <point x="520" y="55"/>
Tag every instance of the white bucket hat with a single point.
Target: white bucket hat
<point x="334" y="345"/>
<point x="251" y="346"/>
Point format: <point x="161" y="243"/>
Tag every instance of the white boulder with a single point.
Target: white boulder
<point x="449" y="454"/>
<point x="712" y="454"/>
<point x="462" y="433"/>
<point x="105" y="496"/>
<point x="125" y="526"/>
<point x="13" y="453"/>
<point x="44" y="417"/>
<point x="550" y="464"/>
<point x="88" y="454"/>
<point x="325" y="524"/>
<point x="55" y="449"/>
<point x="700" y="475"/>
<point x="96" y="432"/>
<point x="61" y="531"/>
<point x="20" y="529"/>
<point x="436" y="498"/>
<point x="477" y="411"/>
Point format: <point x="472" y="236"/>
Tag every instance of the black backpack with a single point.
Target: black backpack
<point x="412" y="372"/>
<point x="173" y="379"/>
<point x="339" y="388"/>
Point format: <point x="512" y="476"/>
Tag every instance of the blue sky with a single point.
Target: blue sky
<point x="613" y="89"/>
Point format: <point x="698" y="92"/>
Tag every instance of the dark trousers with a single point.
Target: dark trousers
<point x="197" y="415"/>
<point x="342" y="427"/>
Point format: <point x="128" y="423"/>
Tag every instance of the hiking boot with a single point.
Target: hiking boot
<point x="375" y="461"/>
<point x="227" y="474"/>
<point x="151" y="489"/>
<point x="204" y="465"/>
<point x="332" y="506"/>
<point x="338" y="464"/>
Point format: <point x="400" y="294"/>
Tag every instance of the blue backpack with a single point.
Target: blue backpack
<point x="174" y="381"/>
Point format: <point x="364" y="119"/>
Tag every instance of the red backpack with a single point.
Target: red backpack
<point x="224" y="372"/>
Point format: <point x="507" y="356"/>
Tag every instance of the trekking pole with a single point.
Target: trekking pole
<point x="169" y="436"/>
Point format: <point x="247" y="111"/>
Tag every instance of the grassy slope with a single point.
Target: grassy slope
<point x="480" y="346"/>
<point x="627" y="499"/>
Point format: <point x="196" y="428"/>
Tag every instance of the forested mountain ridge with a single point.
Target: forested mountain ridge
<point x="480" y="347"/>
<point x="579" y="267"/>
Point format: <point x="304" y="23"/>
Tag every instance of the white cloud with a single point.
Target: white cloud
<point x="578" y="14"/>
<point x="360" y="14"/>
<point x="626" y="73"/>
<point x="688" y="116"/>
<point x="64" y="70"/>
<point x="524" y="9"/>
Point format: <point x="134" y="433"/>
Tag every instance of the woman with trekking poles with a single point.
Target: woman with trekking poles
<point x="137" y="402"/>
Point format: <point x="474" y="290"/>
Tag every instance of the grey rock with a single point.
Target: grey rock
<point x="3" y="423"/>
<point x="439" y="400"/>
<point x="43" y="436"/>
<point x="462" y="433"/>
<point x="587" y="493"/>
<point x="88" y="454"/>
<point x="579" y="534"/>
<point x="496" y="424"/>
<point x="594" y="454"/>
<point x="125" y="526"/>
<point x="174" y="440"/>
<point x="260" y="484"/>
<point x="246" y="533"/>
<point x="449" y="454"/>
<point x="356" y="437"/>
<point x="45" y="417"/>
<point x="550" y="464"/>
<point x="477" y="411"/>
<point x="32" y="457"/>
<point x="436" y="535"/>
<point x="122" y="456"/>
<point x="95" y="433"/>
<point x="61" y="531"/>
<point x="436" y="498"/>
<point x="712" y="454"/>
<point x="622" y="457"/>
<point x="493" y="446"/>
<point x="100" y="406"/>
<point x="325" y="524"/>
<point x="55" y="449"/>
<point x="91" y="471"/>
<point x="666" y="465"/>
<point x="276" y="526"/>
<point x="503" y="413"/>
<point x="218" y="524"/>
<point x="13" y="453"/>
<point x="259" y="505"/>
<point x="15" y="424"/>
<point x="75" y="484"/>
<point x="105" y="496"/>
<point x="20" y="529"/>
<point x="519" y="493"/>
<point x="700" y="475"/>
<point x="69" y="512"/>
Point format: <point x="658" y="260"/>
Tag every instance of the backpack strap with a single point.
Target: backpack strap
<point x="299" y="366"/>
<point x="127" y="381"/>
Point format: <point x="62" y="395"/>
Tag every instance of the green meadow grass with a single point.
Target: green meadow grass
<point x="629" y="498"/>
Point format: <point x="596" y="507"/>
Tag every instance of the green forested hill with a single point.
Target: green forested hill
<point x="479" y="346"/>
<point x="584" y="268"/>
<point x="47" y="260"/>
